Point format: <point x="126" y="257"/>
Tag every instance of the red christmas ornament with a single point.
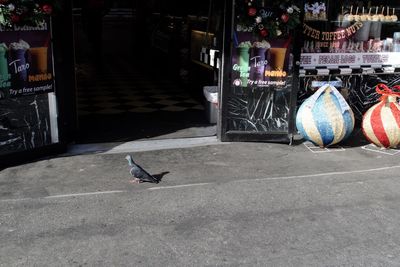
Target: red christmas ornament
<point x="381" y="123"/>
<point x="264" y="32"/>
<point x="48" y="9"/>
<point x="285" y="17"/>
<point x="15" y="18"/>
<point x="252" y="11"/>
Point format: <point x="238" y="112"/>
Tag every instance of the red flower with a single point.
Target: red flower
<point x="285" y="17"/>
<point x="252" y="11"/>
<point x="48" y="9"/>
<point x="264" y="32"/>
<point x="15" y="18"/>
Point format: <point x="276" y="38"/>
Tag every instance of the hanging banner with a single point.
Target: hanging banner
<point x="346" y="37"/>
<point x="340" y="34"/>
<point x="26" y="61"/>
<point x="311" y="60"/>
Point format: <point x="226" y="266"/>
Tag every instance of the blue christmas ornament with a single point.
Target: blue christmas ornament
<point x="325" y="118"/>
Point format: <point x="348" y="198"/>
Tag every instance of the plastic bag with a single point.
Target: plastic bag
<point x="211" y="93"/>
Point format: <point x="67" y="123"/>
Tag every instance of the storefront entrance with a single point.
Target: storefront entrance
<point x="134" y="75"/>
<point x="280" y="58"/>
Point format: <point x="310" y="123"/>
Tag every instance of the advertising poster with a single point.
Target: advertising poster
<point x="259" y="97"/>
<point x="262" y="42"/>
<point x="26" y="66"/>
<point x="28" y="113"/>
<point x="260" y="63"/>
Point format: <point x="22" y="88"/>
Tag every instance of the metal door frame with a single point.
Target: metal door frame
<point x="225" y="81"/>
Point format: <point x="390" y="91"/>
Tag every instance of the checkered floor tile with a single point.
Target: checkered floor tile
<point x="132" y="95"/>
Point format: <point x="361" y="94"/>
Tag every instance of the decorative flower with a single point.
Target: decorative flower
<point x="264" y="32"/>
<point x="11" y="7"/>
<point x="258" y="19"/>
<point x="47" y="9"/>
<point x="252" y="11"/>
<point x="15" y="18"/>
<point x="289" y="10"/>
<point x="285" y="18"/>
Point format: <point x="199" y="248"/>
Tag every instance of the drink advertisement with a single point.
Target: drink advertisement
<point x="262" y="40"/>
<point x="260" y="63"/>
<point x="26" y="65"/>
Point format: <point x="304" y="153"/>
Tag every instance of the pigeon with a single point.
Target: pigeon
<point x="139" y="174"/>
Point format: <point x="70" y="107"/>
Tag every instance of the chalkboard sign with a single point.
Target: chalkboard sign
<point x="28" y="113"/>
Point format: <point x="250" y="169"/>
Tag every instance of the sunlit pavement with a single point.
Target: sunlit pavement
<point x="235" y="204"/>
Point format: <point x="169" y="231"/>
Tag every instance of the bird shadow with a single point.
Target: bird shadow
<point x="159" y="176"/>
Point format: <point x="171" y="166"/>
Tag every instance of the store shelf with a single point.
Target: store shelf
<point x="349" y="71"/>
<point x="383" y="22"/>
<point x="202" y="64"/>
<point x="349" y="60"/>
<point x="316" y="20"/>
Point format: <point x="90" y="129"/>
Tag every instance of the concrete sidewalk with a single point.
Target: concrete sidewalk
<point x="233" y="204"/>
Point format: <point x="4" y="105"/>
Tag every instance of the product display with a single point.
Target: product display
<point x="381" y="123"/>
<point x="346" y="48"/>
<point x="356" y="29"/>
<point x="315" y="11"/>
<point x="325" y="118"/>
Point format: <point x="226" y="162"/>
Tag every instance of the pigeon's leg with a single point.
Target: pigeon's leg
<point x="135" y="181"/>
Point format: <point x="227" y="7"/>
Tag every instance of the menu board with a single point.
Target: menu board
<point x="26" y="66"/>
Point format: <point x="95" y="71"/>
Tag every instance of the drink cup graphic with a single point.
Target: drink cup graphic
<point x="277" y="58"/>
<point x="18" y="65"/>
<point x="38" y="60"/>
<point x="3" y="65"/>
<point x="363" y="33"/>
<point x="243" y="54"/>
<point x="258" y="63"/>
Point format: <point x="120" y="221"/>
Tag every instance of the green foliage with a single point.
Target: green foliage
<point x="26" y="12"/>
<point x="273" y="20"/>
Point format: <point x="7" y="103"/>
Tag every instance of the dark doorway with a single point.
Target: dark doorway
<point x="135" y="77"/>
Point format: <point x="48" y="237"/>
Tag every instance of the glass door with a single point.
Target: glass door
<point x="259" y="77"/>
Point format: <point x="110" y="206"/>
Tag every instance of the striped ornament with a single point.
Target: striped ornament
<point x="381" y="123"/>
<point x="325" y="118"/>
